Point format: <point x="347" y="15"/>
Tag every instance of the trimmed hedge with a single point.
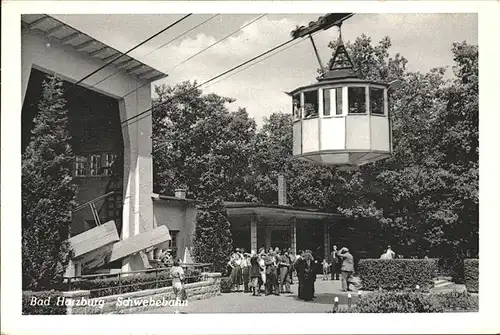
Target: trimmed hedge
<point x="226" y="284"/>
<point x="412" y="302"/>
<point x="457" y="302"/>
<point x="397" y="274"/>
<point x="132" y="283"/>
<point x="48" y="298"/>
<point x="471" y="275"/>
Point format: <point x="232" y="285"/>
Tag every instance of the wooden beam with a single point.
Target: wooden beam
<point x="69" y="38"/>
<point x="36" y="23"/>
<point x="94" y="238"/>
<point x="139" y="242"/>
<point x="98" y="51"/>
<point x="95" y="258"/>
<point x="54" y="30"/>
<point x="84" y="45"/>
<point x="143" y="75"/>
<point x="135" y="68"/>
<point x="110" y="57"/>
<point x="124" y="64"/>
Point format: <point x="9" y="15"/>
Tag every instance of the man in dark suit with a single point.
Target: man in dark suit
<point x="335" y="263"/>
<point x="347" y="267"/>
<point x="300" y="267"/>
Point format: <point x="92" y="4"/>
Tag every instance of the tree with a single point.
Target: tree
<point x="212" y="240"/>
<point x="207" y="152"/>
<point x="194" y="129"/>
<point x="48" y="193"/>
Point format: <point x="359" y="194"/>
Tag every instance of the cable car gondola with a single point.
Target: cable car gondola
<point x="341" y="120"/>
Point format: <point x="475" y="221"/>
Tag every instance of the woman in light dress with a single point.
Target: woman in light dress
<point x="177" y="274"/>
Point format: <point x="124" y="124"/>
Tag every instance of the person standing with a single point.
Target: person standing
<point x="335" y="264"/>
<point x="291" y="270"/>
<point x="177" y="274"/>
<point x="255" y="274"/>
<point x="284" y="266"/>
<point x="309" y="277"/>
<point x="272" y="286"/>
<point x="326" y="267"/>
<point x="245" y="268"/>
<point x="300" y="266"/>
<point x="235" y="264"/>
<point x="262" y="266"/>
<point x="347" y="267"/>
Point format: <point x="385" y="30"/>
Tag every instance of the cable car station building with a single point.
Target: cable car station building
<point x="111" y="157"/>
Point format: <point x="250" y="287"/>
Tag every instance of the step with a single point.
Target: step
<point x="452" y="288"/>
<point x="443" y="284"/>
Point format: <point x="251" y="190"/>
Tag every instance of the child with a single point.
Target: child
<point x="326" y="266"/>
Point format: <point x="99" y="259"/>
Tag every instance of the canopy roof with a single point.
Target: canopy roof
<point x="243" y="209"/>
<point x="52" y="28"/>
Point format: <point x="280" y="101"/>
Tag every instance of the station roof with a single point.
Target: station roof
<point x="242" y="209"/>
<point x="267" y="211"/>
<point x="53" y="28"/>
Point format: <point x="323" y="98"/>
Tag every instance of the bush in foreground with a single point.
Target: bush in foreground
<point x="412" y="302"/>
<point x="471" y="275"/>
<point x="49" y="306"/>
<point x="225" y="285"/>
<point x="397" y="274"/>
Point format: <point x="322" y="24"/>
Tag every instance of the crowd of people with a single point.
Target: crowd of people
<point x="272" y="272"/>
<point x="269" y="272"/>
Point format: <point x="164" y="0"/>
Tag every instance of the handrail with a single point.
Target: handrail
<point x="80" y="207"/>
<point x="136" y="271"/>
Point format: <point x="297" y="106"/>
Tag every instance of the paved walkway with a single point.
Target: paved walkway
<point x="285" y="303"/>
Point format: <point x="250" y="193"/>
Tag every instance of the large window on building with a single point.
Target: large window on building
<point x="109" y="160"/>
<point x="311" y="104"/>
<point x="94" y="164"/>
<point x="81" y="166"/>
<point x="377" y="101"/>
<point x="357" y="100"/>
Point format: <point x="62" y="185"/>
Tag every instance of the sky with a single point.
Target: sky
<point x="424" y="39"/>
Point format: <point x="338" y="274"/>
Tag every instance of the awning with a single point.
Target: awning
<point x="52" y="28"/>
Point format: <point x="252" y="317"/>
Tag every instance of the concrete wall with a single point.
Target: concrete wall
<point x="177" y="215"/>
<point x="118" y="304"/>
<point x="72" y="65"/>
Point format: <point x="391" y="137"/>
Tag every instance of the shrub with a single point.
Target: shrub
<point x="51" y="308"/>
<point x="471" y="275"/>
<point x="397" y="274"/>
<point x="457" y="302"/>
<point x="144" y="281"/>
<point x="212" y="242"/>
<point x="397" y="302"/>
<point x="226" y="284"/>
<point x="412" y="302"/>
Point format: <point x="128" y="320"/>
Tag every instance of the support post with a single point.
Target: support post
<point x="253" y="235"/>
<point x="268" y="238"/>
<point x="138" y="172"/>
<point x="326" y="239"/>
<point x="294" y="237"/>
